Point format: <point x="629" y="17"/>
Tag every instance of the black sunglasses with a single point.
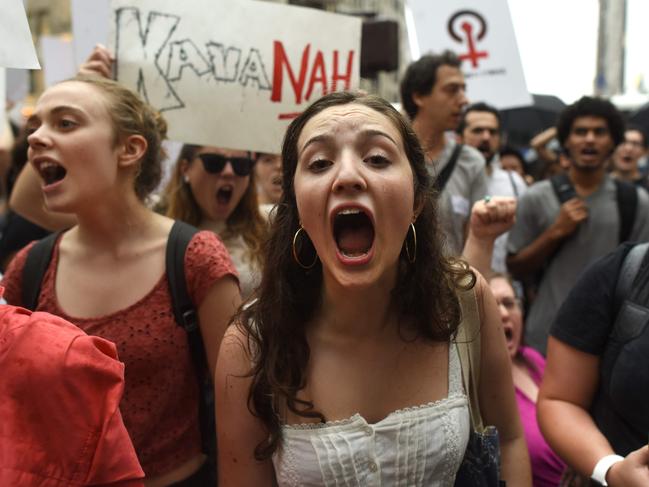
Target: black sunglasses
<point x="214" y="163"/>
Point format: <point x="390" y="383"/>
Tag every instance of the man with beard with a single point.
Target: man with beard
<point x="480" y="128"/>
<point x="433" y="95"/>
<point x="627" y="155"/>
<point x="561" y="228"/>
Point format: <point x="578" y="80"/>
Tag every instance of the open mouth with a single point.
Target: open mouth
<point x="224" y="194"/>
<point x="509" y="334"/>
<point x="277" y="180"/>
<point x="589" y="152"/>
<point x="353" y="232"/>
<point x="51" y="172"/>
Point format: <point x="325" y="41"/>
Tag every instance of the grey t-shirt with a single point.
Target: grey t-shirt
<point x="467" y="184"/>
<point x="596" y="236"/>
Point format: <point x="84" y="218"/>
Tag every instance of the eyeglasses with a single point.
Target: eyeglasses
<point x="510" y="303"/>
<point x="214" y="163"/>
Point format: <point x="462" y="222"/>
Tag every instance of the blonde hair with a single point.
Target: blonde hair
<point x="246" y="220"/>
<point x="130" y="115"/>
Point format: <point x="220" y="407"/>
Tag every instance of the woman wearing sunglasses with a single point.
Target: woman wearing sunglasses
<point x="213" y="189"/>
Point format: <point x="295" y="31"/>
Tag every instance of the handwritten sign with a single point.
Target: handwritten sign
<point x="482" y="34"/>
<point x="16" y="46"/>
<point x="89" y="25"/>
<point x="58" y="59"/>
<point x="232" y="73"/>
<point x="3" y="96"/>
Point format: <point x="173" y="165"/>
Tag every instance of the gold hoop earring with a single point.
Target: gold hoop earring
<point x="295" y="256"/>
<point x="411" y="257"/>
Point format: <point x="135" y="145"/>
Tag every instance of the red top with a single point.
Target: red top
<point x="60" y="389"/>
<point x="160" y="403"/>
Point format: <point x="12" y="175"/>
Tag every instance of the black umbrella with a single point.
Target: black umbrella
<point x="521" y="124"/>
<point x="641" y="117"/>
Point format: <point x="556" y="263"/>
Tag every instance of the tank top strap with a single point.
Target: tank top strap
<point x="454" y="371"/>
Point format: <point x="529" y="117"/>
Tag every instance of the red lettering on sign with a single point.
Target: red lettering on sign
<point x="347" y="76"/>
<point x="279" y="61"/>
<point x="318" y="75"/>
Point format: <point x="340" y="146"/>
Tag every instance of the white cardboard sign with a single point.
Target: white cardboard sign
<point x="89" y="25"/>
<point x="232" y="73"/>
<point x="482" y="34"/>
<point x="16" y="45"/>
<point x="58" y="59"/>
<point x="3" y="97"/>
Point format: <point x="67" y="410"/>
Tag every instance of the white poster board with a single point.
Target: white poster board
<point x="232" y="73"/>
<point x="482" y="34"/>
<point x="58" y="59"/>
<point x="3" y="97"/>
<point x="89" y="26"/>
<point x="16" y="45"/>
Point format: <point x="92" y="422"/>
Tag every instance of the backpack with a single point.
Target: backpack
<point x="626" y="194"/>
<point x="185" y="314"/>
<point x="631" y="317"/>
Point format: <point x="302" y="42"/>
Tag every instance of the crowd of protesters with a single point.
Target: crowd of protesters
<point x="296" y="319"/>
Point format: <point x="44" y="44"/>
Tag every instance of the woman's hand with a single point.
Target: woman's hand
<point x="633" y="471"/>
<point x="100" y="62"/>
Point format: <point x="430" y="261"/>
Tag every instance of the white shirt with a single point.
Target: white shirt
<point x="503" y="183"/>
<point x="416" y="446"/>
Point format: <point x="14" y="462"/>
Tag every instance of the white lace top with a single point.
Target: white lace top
<point x="417" y="446"/>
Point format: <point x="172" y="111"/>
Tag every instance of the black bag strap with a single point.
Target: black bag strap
<point x="445" y="174"/>
<point x="563" y="187"/>
<point x="628" y="272"/>
<point x="627" y="204"/>
<point x="183" y="308"/>
<point x="36" y="264"/>
<point x="511" y="180"/>
<point x="626" y="195"/>
<point x="186" y="316"/>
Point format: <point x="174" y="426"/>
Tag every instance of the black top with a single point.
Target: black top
<point x="586" y="321"/>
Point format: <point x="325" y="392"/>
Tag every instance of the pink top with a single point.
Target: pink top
<point x="60" y="425"/>
<point x="160" y="403"/>
<point x="547" y="467"/>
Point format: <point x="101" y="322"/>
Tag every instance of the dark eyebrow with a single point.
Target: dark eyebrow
<point x="324" y="138"/>
<point x="58" y="110"/>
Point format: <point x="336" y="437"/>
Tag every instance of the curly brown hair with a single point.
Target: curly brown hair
<point x="425" y="292"/>
<point x="246" y="220"/>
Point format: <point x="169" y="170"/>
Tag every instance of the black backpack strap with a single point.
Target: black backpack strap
<point x="563" y="187"/>
<point x="628" y="272"/>
<point x="186" y="316"/>
<point x="183" y="308"/>
<point x="627" y="204"/>
<point x="36" y="264"/>
<point x="445" y="175"/>
<point x="511" y="180"/>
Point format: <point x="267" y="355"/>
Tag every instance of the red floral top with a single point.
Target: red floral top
<point x="160" y="402"/>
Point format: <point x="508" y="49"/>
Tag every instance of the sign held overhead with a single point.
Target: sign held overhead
<point x="232" y="73"/>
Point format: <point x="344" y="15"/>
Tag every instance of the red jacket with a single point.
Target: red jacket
<point x="60" y="424"/>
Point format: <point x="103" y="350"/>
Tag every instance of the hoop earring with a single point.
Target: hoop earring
<point x="411" y="257"/>
<point x="295" y="256"/>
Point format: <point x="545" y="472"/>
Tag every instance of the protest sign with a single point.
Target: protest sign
<point x="3" y="97"/>
<point x="58" y="59"/>
<point x="16" y="46"/>
<point x="232" y="73"/>
<point x="89" y="25"/>
<point x="482" y="34"/>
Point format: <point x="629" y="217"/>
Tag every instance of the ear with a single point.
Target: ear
<point x="131" y="150"/>
<point x="418" y="99"/>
